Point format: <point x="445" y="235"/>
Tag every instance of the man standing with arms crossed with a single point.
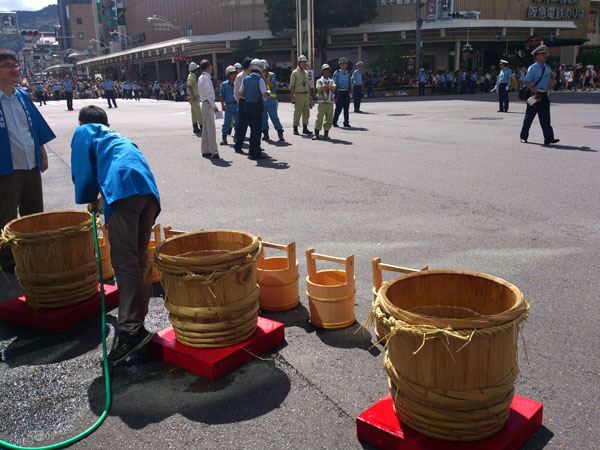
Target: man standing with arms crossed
<point x="23" y="133"/>
<point x="192" y="86"/>
<point x="301" y="96"/>
<point x="206" y="94"/>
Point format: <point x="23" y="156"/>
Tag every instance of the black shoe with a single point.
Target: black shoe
<point x="523" y="141"/>
<point x="196" y="129"/>
<point x="280" y="135"/>
<point x="316" y="136"/>
<point x="336" y="125"/>
<point x="551" y="141"/>
<point x="305" y="130"/>
<point x="216" y="156"/>
<point x="224" y="140"/>
<point x="125" y="344"/>
<point x="326" y="135"/>
<point x="500" y="110"/>
<point x="265" y="136"/>
<point x="206" y="155"/>
<point x="239" y="150"/>
<point x="296" y="131"/>
<point x="110" y="107"/>
<point x="257" y="157"/>
<point x="347" y="125"/>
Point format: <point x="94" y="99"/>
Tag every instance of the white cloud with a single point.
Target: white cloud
<point x="25" y="5"/>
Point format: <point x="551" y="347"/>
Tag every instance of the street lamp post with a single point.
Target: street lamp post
<point x="124" y="35"/>
<point x="419" y="4"/>
<point x="169" y="24"/>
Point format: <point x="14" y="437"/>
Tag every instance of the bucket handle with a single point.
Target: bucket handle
<point x="379" y="267"/>
<point x="311" y="264"/>
<point x="156" y="232"/>
<point x="290" y="249"/>
<point x="170" y="232"/>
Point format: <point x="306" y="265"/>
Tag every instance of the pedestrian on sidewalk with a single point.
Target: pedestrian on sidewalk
<point x="206" y="94"/>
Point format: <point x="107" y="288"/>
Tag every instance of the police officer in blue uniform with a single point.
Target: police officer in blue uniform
<point x="254" y="91"/>
<point x="68" y="88"/>
<point x="109" y="92"/>
<point x="539" y="81"/>
<point x="422" y="81"/>
<point x="342" y="81"/>
<point x="39" y="92"/>
<point x="503" y="85"/>
<point x="357" y="82"/>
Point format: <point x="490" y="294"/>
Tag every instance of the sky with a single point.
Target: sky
<point x="24" y="5"/>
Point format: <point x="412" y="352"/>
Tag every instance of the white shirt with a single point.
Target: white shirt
<point x="237" y="84"/>
<point x="206" y="90"/>
<point x="22" y="145"/>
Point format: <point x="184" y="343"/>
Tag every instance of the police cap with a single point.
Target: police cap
<point x="540" y="49"/>
<point x="343" y="60"/>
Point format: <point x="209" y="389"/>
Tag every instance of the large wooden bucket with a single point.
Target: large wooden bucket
<point x="381" y="330"/>
<point x="330" y="292"/>
<point x="209" y="278"/>
<point x="55" y="257"/>
<point x="154" y="241"/>
<point x="278" y="278"/>
<point x="451" y="354"/>
<point x="104" y="246"/>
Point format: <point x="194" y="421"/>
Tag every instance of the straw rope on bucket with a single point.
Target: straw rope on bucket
<point x="451" y="367"/>
<point x="55" y="257"/>
<point x="209" y="278"/>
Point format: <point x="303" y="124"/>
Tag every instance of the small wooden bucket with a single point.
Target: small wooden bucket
<point x="209" y="278"/>
<point x="451" y="355"/>
<point x="378" y="268"/>
<point x="155" y="274"/>
<point x="170" y="232"/>
<point x="330" y="292"/>
<point x="55" y="257"/>
<point x="104" y="246"/>
<point x="278" y="278"/>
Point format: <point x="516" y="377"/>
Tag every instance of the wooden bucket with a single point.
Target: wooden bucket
<point x="104" y="246"/>
<point x="378" y="268"/>
<point x="55" y="257"/>
<point x="330" y="292"/>
<point x="154" y="274"/>
<point x="451" y="355"/>
<point x="209" y="278"/>
<point x="278" y="278"/>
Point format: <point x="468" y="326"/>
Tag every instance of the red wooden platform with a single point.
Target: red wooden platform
<point x="56" y="320"/>
<point x="213" y="363"/>
<point x="380" y="427"/>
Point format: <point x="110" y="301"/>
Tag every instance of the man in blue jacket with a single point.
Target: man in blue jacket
<point x="106" y="163"/>
<point x="23" y="133"/>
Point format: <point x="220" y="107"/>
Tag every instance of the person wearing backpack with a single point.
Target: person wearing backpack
<point x="539" y="81"/>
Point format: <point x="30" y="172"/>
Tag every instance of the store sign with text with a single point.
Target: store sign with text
<point x="556" y="10"/>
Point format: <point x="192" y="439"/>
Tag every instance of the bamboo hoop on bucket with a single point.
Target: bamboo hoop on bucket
<point x="451" y="366"/>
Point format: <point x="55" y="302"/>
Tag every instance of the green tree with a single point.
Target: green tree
<point x="391" y="58"/>
<point x="589" y="54"/>
<point x="281" y="16"/>
<point x="244" y="47"/>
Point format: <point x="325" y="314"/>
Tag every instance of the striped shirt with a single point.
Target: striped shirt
<point x="22" y="146"/>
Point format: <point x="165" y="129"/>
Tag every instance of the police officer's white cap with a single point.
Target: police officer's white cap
<point x="360" y="63"/>
<point x="343" y="60"/>
<point x="502" y="61"/>
<point x="302" y="58"/>
<point x="540" y="49"/>
<point x="230" y="69"/>
<point x="237" y="66"/>
<point x="325" y="67"/>
<point x="257" y="64"/>
<point x="193" y="66"/>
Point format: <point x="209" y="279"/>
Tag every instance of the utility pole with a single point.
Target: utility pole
<point x="419" y="4"/>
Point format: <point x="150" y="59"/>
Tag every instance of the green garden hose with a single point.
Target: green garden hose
<point x="94" y="427"/>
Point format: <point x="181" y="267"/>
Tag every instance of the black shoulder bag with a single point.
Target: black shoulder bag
<point x="524" y="92"/>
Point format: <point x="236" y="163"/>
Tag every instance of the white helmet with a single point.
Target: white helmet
<point x="325" y="67"/>
<point x="302" y="58"/>
<point x="229" y="70"/>
<point x="265" y="63"/>
<point x="193" y="66"/>
<point x="257" y="64"/>
<point x="237" y="66"/>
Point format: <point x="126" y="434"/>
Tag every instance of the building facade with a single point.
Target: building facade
<point x="503" y="29"/>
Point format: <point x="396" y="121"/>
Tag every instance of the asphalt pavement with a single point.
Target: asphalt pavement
<point x="442" y="181"/>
